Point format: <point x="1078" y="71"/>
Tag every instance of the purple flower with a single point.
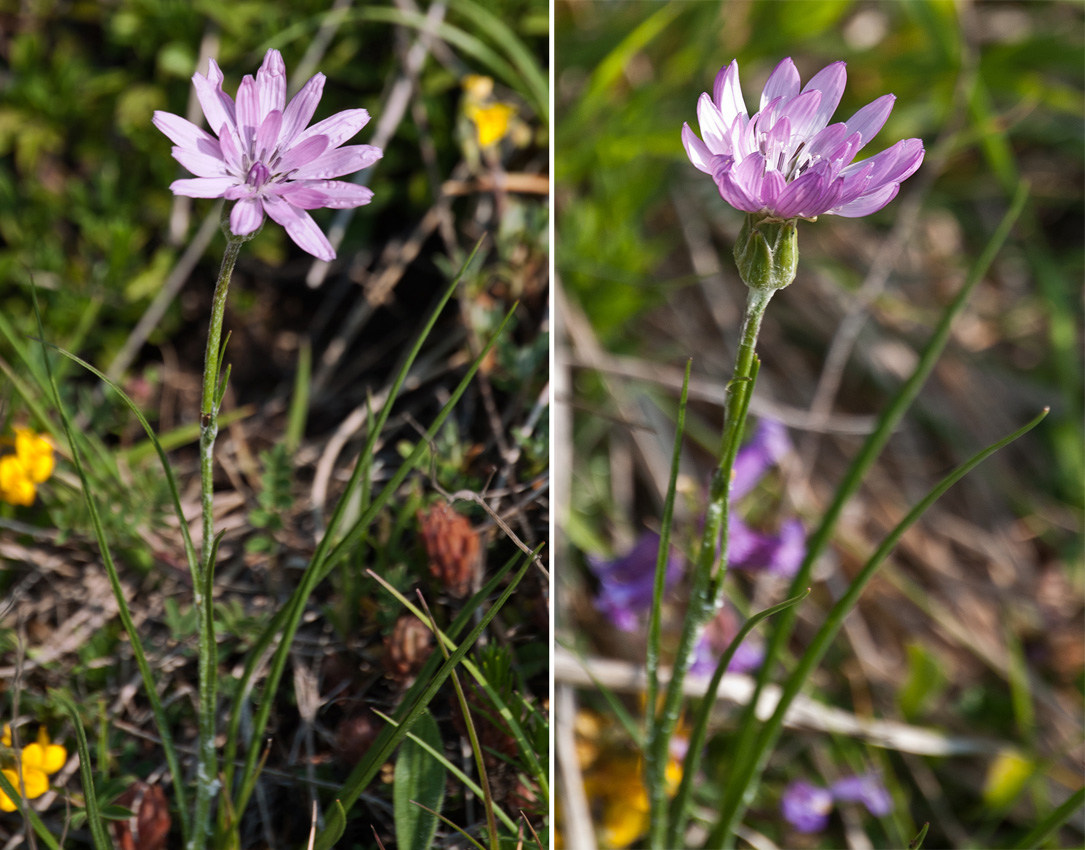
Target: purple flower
<point x="264" y="157"/>
<point x="788" y="161"/>
<point x="782" y="553"/>
<point x="807" y="807"/>
<point x="626" y="583"/>
<point x="866" y="789"/>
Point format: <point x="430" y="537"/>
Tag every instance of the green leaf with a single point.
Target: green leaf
<point x="419" y="778"/>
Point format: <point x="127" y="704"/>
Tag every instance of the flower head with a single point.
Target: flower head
<point x="263" y="157"/>
<point x="787" y="161"/>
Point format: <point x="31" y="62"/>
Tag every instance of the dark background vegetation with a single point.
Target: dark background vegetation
<point x="86" y="213"/>
<point x="975" y="626"/>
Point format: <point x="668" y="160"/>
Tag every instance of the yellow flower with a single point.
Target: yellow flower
<point x="44" y="755"/>
<point x="491" y="122"/>
<point x="6" y="805"/>
<point x="38" y="760"/>
<point x="6" y="738"/>
<point x="16" y="488"/>
<point x="492" y="118"/>
<point x="35" y="453"/>
<point x="32" y="463"/>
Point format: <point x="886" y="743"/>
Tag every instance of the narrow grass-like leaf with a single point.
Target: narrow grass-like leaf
<point x="299" y="401"/>
<point x="418" y="777"/>
<point x="1046" y="827"/>
<point x="770" y="730"/>
<point x="90" y="796"/>
<point x="485" y="21"/>
<point x="175" y="495"/>
<point x="389" y="738"/>
<point x="322" y="561"/>
<point x="183" y="435"/>
<point x="449" y="823"/>
<point x="917" y="842"/>
<point x="30" y="399"/>
<point x="621" y="713"/>
<point x="472" y="735"/>
<point x="526" y="749"/>
<point x="145" y="671"/>
<point x="682" y="804"/>
<point x="24" y="807"/>
<point x="466" y="42"/>
<point x="452" y="768"/>
<point x="745" y="738"/>
<point x="655" y="629"/>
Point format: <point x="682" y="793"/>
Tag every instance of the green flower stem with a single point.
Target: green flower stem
<point x="706" y="582"/>
<point x="206" y="759"/>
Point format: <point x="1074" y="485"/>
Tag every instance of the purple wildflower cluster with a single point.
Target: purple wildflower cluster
<point x="787" y="161"/>
<point x="264" y="158"/>
<point x="807" y="807"/>
<point x="625" y="583"/>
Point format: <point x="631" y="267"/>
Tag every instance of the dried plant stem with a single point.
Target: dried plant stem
<point x="706" y="580"/>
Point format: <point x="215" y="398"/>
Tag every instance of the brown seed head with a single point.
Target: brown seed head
<point x="452" y="546"/>
<point x="407" y="648"/>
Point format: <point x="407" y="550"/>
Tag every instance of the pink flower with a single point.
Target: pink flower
<point x="787" y="161"/>
<point x="264" y="157"/>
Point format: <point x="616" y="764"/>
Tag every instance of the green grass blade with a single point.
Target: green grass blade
<point x="621" y="713"/>
<point x="835" y="619"/>
<point x="145" y="671"/>
<point x="682" y="804"/>
<point x="299" y="401"/>
<point x="452" y="768"/>
<point x="655" y="629"/>
<point x="450" y="824"/>
<point x="175" y="495"/>
<point x="745" y="737"/>
<point x="387" y="741"/>
<point x="90" y="796"/>
<point x="35" y="821"/>
<point x="1045" y="828"/>
<point x="467" y="43"/>
<point x="472" y="736"/>
<point x="183" y="435"/>
<point x="485" y="21"/>
<point x="921" y="836"/>
<point x="316" y="569"/>
<point x="541" y="775"/>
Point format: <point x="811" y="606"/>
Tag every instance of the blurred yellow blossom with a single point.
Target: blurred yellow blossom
<point x="614" y="783"/>
<point x="493" y="119"/>
<point x="38" y="760"/>
<point x="32" y="463"/>
<point x="492" y="122"/>
<point x="36" y="454"/>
